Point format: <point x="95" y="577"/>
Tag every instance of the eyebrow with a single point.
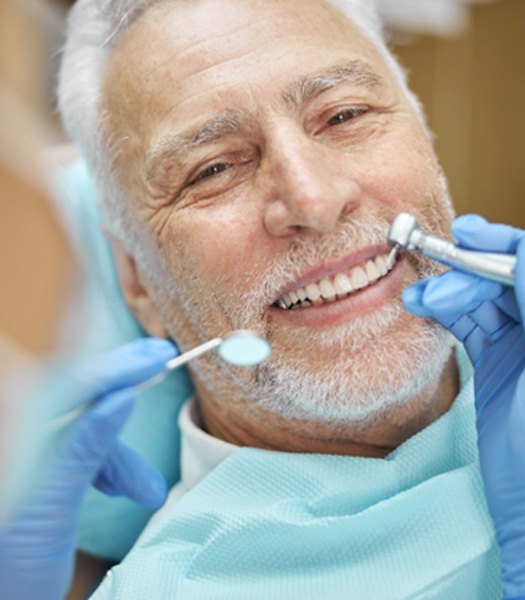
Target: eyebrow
<point x="355" y="72"/>
<point x="233" y="121"/>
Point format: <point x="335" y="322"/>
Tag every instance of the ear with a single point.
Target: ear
<point x="135" y="292"/>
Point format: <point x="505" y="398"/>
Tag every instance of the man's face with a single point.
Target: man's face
<point x="267" y="147"/>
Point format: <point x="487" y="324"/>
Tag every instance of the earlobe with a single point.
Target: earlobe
<point x="135" y="292"/>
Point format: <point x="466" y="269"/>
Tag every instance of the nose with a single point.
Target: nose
<point x="309" y="188"/>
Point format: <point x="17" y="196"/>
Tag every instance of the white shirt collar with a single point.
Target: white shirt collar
<point x="200" y="452"/>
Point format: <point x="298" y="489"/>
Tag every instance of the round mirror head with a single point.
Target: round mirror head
<point x="244" y="349"/>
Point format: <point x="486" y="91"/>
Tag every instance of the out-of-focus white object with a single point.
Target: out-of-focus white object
<point x="441" y="17"/>
<point x="19" y="432"/>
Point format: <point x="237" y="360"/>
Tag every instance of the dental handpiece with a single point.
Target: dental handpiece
<point x="405" y="234"/>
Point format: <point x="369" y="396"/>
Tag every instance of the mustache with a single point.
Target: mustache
<point x="308" y="251"/>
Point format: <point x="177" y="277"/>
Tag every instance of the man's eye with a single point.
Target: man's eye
<point x="346" y="115"/>
<point x="210" y="171"/>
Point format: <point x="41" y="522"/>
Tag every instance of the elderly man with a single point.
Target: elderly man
<point x="251" y="157"/>
<point x="251" y="177"/>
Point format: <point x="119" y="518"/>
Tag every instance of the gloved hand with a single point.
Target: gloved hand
<point x="37" y="549"/>
<point x="489" y="319"/>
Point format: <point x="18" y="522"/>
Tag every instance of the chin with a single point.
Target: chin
<point x="357" y="374"/>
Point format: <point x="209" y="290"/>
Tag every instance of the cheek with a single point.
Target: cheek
<point x="214" y="247"/>
<point x="403" y="173"/>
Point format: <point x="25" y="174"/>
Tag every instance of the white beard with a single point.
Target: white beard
<point x="360" y="386"/>
<point x="374" y="371"/>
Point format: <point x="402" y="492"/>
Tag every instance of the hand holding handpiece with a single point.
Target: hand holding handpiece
<point x="37" y="549"/>
<point x="488" y="317"/>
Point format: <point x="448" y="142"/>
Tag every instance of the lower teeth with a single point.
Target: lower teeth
<point x="301" y="304"/>
<point x="307" y="303"/>
<point x="319" y="301"/>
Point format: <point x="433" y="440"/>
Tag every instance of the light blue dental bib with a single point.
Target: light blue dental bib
<point x="269" y="526"/>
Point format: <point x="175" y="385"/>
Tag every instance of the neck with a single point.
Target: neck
<point x="259" y="428"/>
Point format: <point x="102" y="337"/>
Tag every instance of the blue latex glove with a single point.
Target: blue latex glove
<point x="37" y="549"/>
<point x="488" y="318"/>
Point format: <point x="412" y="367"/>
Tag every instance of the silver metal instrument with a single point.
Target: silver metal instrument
<point x="405" y="234"/>
<point x="240" y="347"/>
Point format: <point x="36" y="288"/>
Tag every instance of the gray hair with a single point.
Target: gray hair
<point x="94" y="28"/>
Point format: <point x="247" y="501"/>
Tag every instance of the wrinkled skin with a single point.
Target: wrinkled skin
<point x="291" y="178"/>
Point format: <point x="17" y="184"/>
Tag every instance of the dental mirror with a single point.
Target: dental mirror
<point x="240" y="347"/>
<point x="244" y="349"/>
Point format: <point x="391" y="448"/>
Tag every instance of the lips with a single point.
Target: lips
<point x="336" y="287"/>
<point x="337" y="281"/>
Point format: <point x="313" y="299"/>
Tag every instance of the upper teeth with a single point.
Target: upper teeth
<point x="338" y="286"/>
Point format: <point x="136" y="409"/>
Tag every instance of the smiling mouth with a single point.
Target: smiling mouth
<point x="339" y="286"/>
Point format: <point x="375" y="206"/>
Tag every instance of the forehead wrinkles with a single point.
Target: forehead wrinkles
<point x="157" y="55"/>
<point x="185" y="32"/>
